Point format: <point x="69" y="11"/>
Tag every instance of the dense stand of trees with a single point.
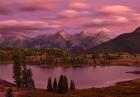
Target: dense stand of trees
<point x="27" y="78"/>
<point x="21" y="74"/>
<point x="61" y="86"/>
<point x="52" y="56"/>
<point x="23" y="77"/>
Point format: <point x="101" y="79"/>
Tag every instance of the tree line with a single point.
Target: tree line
<point x="61" y="86"/>
<point x="23" y="78"/>
<point x="21" y="74"/>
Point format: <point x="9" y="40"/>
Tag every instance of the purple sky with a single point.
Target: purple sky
<point x="34" y="17"/>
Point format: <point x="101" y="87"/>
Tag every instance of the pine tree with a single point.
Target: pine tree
<point x="22" y="78"/>
<point x="72" y="85"/>
<point x="17" y="71"/>
<point x="9" y="93"/>
<point x="28" y="82"/>
<point x="25" y="77"/>
<point x="49" y="86"/>
<point x="30" y="79"/>
<point x="62" y="84"/>
<point x="65" y="84"/>
<point x="55" y="85"/>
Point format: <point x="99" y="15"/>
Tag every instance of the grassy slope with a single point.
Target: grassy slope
<point x="124" y="89"/>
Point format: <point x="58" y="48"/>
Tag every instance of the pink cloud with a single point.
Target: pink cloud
<point x="103" y="30"/>
<point x="4" y="11"/>
<point x="79" y="5"/>
<point x="47" y="5"/>
<point x="70" y="13"/>
<point x="119" y="16"/>
<point x="13" y="25"/>
<point x="108" y="21"/>
<point x="136" y="17"/>
<point x="115" y="10"/>
<point x="30" y="5"/>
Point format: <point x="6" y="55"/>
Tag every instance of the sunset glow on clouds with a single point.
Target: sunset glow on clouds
<point x="116" y="10"/>
<point x="79" y="5"/>
<point x="48" y="16"/>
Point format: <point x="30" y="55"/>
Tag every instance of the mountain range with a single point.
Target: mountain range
<point x="128" y="42"/>
<point x="97" y="43"/>
<point x="61" y="39"/>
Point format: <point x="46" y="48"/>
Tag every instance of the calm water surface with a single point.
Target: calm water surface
<point x="85" y="77"/>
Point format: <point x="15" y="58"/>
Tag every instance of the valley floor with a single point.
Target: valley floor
<point x="122" y="89"/>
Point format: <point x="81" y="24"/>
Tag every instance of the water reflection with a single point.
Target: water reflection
<point x="86" y="77"/>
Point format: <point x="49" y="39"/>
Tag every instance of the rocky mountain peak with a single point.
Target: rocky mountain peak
<point x="63" y="34"/>
<point x="20" y="36"/>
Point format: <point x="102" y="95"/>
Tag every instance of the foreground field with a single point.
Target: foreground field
<point x="122" y="89"/>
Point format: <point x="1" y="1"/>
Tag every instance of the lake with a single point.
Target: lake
<point x="84" y="77"/>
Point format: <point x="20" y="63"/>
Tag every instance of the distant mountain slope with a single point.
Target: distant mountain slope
<point x="61" y="39"/>
<point x="129" y="42"/>
<point x="57" y="40"/>
<point x="17" y="40"/>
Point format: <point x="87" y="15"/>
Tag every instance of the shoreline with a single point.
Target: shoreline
<point x="120" y="89"/>
<point x="9" y="84"/>
<point x="72" y="65"/>
<point x="6" y="83"/>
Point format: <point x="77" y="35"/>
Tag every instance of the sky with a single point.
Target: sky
<point x="34" y="17"/>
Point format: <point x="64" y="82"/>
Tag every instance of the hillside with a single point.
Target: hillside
<point x="128" y="42"/>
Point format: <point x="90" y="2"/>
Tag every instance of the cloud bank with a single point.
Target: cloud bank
<point x="72" y="15"/>
<point x="13" y="25"/>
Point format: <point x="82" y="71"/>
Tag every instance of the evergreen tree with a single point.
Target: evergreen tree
<point x="9" y="93"/>
<point x="72" y="85"/>
<point x="17" y="71"/>
<point x="65" y="84"/>
<point x="30" y="79"/>
<point x="28" y="82"/>
<point x="55" y="85"/>
<point x="49" y="86"/>
<point x="25" y="77"/>
<point x="62" y="84"/>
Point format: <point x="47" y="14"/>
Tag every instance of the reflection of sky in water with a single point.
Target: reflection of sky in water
<point x="84" y="77"/>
